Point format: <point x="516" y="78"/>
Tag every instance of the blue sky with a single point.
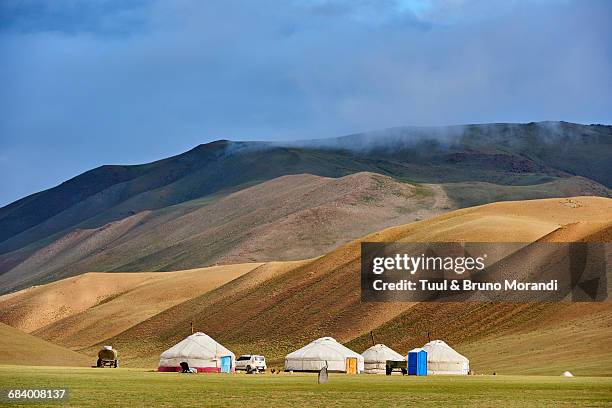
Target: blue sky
<point x="86" y="83"/>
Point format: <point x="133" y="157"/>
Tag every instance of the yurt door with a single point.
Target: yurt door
<point x="226" y="364"/>
<point x="351" y="365"/>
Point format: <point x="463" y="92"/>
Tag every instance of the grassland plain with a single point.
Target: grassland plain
<point x="139" y="387"/>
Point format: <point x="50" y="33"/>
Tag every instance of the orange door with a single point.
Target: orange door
<point x="351" y="365"/>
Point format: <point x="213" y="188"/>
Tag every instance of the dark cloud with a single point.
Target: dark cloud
<point x="86" y="83"/>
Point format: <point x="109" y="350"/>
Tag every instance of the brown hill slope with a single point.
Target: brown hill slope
<point x="501" y="153"/>
<point x="82" y="310"/>
<point x="321" y="298"/>
<point x="19" y="348"/>
<point x="288" y="218"/>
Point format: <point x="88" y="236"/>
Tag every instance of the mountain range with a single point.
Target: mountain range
<point x="233" y="202"/>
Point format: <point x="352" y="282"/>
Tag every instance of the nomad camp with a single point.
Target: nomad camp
<point x="200" y="353"/>
<point x="434" y="358"/>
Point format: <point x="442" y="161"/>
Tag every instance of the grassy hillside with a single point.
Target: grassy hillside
<point x="503" y="153"/>
<point x="77" y="311"/>
<point x="275" y="308"/>
<point x="469" y="194"/>
<point x="21" y="348"/>
<point x="291" y="217"/>
<point x="477" y="164"/>
<point x="322" y="298"/>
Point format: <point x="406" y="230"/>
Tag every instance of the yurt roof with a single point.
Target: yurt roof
<point x="325" y="348"/>
<point x="438" y="350"/>
<point x="196" y="345"/>
<point x="380" y="352"/>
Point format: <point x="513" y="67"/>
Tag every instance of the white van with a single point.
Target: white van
<point x="250" y="363"/>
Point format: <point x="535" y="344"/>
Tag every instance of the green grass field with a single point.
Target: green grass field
<point x="133" y="387"/>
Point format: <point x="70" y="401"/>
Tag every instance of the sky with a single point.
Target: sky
<point x="85" y="83"/>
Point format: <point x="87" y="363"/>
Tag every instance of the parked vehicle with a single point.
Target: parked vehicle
<point x="396" y="365"/>
<point x="251" y="363"/>
<point x="107" y="357"/>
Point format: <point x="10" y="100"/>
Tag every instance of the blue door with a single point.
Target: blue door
<point x="226" y="364"/>
<point x="413" y="363"/>
<point x="417" y="362"/>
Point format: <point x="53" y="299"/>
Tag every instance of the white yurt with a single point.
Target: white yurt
<point x="375" y="358"/>
<point x="324" y="352"/>
<point x="200" y="352"/>
<point x="442" y="359"/>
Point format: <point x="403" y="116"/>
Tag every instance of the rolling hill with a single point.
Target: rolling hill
<point x="273" y="310"/>
<point x="20" y="348"/>
<point x="104" y="302"/>
<point x="102" y="219"/>
<point x="290" y="217"/>
<point x="322" y="297"/>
